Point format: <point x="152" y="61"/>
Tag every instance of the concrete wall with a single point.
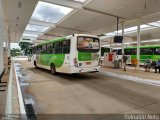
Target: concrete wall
<point x="1" y="37"/>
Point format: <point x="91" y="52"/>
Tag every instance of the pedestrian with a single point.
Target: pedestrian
<point x="157" y="66"/>
<point x="147" y="65"/>
<point x="124" y="59"/>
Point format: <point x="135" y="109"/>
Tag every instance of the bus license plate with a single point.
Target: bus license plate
<point x="88" y="63"/>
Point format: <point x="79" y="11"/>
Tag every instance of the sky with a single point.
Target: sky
<point x="15" y="45"/>
<point x="36" y="28"/>
<point x="49" y="12"/>
<point x="46" y="12"/>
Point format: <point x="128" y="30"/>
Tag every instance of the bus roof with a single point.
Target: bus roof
<point x="64" y="38"/>
<point x="52" y="41"/>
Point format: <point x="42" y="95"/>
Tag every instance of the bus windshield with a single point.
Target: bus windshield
<point x="88" y="44"/>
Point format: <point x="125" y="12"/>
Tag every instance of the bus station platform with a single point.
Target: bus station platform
<point x="132" y="72"/>
<point x="110" y="91"/>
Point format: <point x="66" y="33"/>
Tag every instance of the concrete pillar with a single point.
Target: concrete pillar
<point x="138" y="43"/>
<point x="123" y="39"/>
<point x="1" y="38"/>
<point x="6" y="40"/>
<point x="110" y="45"/>
<point x="9" y="46"/>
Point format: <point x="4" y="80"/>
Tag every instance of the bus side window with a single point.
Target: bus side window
<point x="128" y="51"/>
<point x="157" y="51"/>
<point x="34" y="50"/>
<point x="58" y="47"/>
<point x="49" y="48"/>
<point x="147" y="51"/>
<point x="152" y="51"/>
<point x="37" y="50"/>
<point x="134" y="51"/>
<point x="141" y="51"/>
<point x="44" y="49"/>
<point x="53" y="49"/>
<point x="119" y="51"/>
<point x="66" y="47"/>
<point x="40" y="51"/>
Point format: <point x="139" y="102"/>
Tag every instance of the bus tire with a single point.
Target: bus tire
<point x="35" y="64"/>
<point x="53" y="69"/>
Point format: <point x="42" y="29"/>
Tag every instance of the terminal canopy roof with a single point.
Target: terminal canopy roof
<point x="38" y="20"/>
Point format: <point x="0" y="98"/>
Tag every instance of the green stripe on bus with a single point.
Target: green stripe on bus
<point x="144" y="57"/>
<point x="82" y="56"/>
<point x="48" y="59"/>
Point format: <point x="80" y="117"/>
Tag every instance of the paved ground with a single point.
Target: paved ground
<point x="132" y="72"/>
<point x="89" y="93"/>
<point x="3" y="94"/>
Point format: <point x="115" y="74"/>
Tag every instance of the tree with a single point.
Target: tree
<point x="24" y="46"/>
<point x="15" y="52"/>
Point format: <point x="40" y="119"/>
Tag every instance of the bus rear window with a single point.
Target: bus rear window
<point x="88" y="44"/>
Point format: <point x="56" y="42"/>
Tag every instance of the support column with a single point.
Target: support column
<point x="138" y="43"/>
<point x="7" y="42"/>
<point x="110" y="45"/>
<point x="6" y="39"/>
<point x="9" y="46"/>
<point x="123" y="39"/>
<point x="1" y="38"/>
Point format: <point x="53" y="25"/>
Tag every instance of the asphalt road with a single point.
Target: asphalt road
<point x="88" y="93"/>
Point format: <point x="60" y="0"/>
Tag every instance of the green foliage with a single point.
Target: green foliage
<point x="24" y="45"/>
<point x="15" y="52"/>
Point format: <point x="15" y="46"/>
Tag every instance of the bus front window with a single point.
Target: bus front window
<point x="88" y="44"/>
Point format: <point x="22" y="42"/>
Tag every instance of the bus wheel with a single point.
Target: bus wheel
<point x="53" y="69"/>
<point x="35" y="64"/>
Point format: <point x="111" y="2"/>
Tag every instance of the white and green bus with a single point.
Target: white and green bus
<point x="71" y="54"/>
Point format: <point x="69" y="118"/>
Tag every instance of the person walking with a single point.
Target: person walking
<point x="157" y="66"/>
<point x="147" y="65"/>
<point x="124" y="59"/>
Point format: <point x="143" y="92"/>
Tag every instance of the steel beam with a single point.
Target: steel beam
<point x="32" y="32"/>
<point x="67" y="28"/>
<point x="66" y="3"/>
<point x="103" y="13"/>
<point x="153" y="25"/>
<point x="41" y="23"/>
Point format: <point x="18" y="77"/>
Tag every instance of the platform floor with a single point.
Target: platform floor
<point x="3" y="94"/>
<point x="89" y="93"/>
<point x="131" y="71"/>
